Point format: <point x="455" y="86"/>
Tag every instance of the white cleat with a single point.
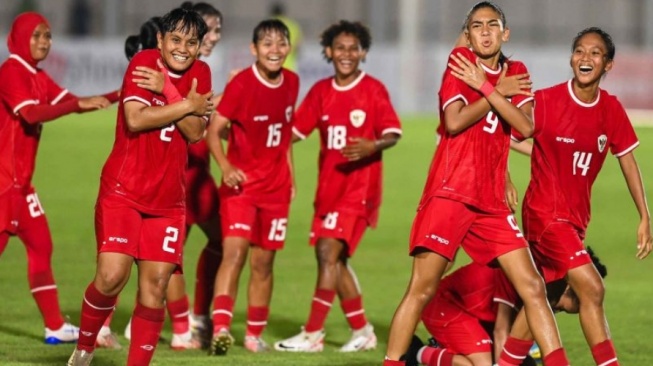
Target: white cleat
<point x="128" y="330"/>
<point x="362" y="339"/>
<point x="201" y="327"/>
<point x="107" y="339"/>
<point x="184" y="341"/>
<point x="80" y="358"/>
<point x="302" y="342"/>
<point x="68" y="333"/>
<point x="256" y="344"/>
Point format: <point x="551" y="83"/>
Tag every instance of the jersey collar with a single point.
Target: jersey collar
<point x="350" y="85"/>
<point x="265" y="82"/>
<point x="23" y="62"/>
<point x="570" y="88"/>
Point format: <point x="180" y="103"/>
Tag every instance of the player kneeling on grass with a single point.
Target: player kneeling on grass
<point x="29" y="98"/>
<point x="140" y="209"/>
<point x="356" y="121"/>
<point x="256" y="184"/>
<point x="471" y="314"/>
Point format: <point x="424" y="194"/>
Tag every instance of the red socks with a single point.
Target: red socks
<point x="223" y="307"/>
<point x="556" y="358"/>
<point x="96" y="307"/>
<point x="604" y="354"/>
<point x="514" y="351"/>
<point x="147" y="324"/>
<point x="207" y="268"/>
<point x="320" y="307"/>
<point x="387" y="362"/>
<point x="353" y="309"/>
<point x="45" y="294"/>
<point x="257" y="319"/>
<point x="179" y="311"/>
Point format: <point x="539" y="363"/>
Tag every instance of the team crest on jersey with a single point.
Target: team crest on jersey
<point x="288" y="113"/>
<point x="603" y="140"/>
<point x="357" y="117"/>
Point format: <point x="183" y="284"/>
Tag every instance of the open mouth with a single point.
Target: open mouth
<point x="585" y="69"/>
<point x="179" y="58"/>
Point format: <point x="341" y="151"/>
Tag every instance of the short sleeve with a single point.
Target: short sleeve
<point x="16" y="87"/>
<point x="308" y="114"/>
<point x="387" y="120"/>
<point x="203" y="76"/>
<point x="55" y="93"/>
<point x="132" y="92"/>
<point x="229" y="103"/>
<point x="622" y="135"/>
<point x="504" y="290"/>
<point x="453" y="89"/>
<point x="516" y="68"/>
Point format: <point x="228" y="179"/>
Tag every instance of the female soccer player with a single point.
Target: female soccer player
<point x="140" y="212"/>
<point x="256" y="180"/>
<point x="30" y="98"/>
<point x="577" y="124"/>
<point x="356" y="120"/>
<point x="464" y="195"/>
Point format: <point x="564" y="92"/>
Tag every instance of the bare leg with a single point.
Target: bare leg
<point x="588" y="285"/>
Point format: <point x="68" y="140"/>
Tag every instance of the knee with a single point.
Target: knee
<point x="234" y="259"/>
<point x="591" y="292"/>
<point x="261" y="267"/>
<point x="109" y="282"/>
<point x="154" y="285"/>
<point x="532" y="289"/>
<point x="326" y="256"/>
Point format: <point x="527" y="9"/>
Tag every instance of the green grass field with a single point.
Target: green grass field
<point x="71" y="156"/>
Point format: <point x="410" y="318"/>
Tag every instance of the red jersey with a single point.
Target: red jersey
<point x="259" y="139"/>
<point x="571" y="141"/>
<point x="470" y="167"/>
<point x="22" y="85"/>
<point x="361" y="109"/>
<point x="474" y="289"/>
<point x="147" y="168"/>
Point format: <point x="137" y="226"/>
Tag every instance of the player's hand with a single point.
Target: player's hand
<point x="150" y="79"/>
<point x="97" y="102"/>
<point x="232" y="176"/>
<point x="201" y="104"/>
<point x="509" y="86"/>
<point x="512" y="197"/>
<point x="644" y="240"/>
<point x="465" y="70"/>
<point x="358" y="148"/>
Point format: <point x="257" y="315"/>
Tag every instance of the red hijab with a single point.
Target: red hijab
<point x="21" y="33"/>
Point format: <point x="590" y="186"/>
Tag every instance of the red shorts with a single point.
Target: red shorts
<point x="262" y="224"/>
<point x="339" y="225"/>
<point x="202" y="200"/>
<point x="456" y="330"/>
<point x="559" y="249"/>
<point x="121" y="228"/>
<point x="442" y="225"/>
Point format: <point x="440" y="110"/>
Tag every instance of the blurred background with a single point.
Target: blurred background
<point x="411" y="40"/>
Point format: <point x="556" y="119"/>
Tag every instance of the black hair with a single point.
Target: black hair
<point x="184" y="20"/>
<point x="607" y="40"/>
<point x="603" y="270"/>
<point x="267" y="26"/>
<point x="146" y="39"/>
<point x="497" y="9"/>
<point x="203" y="9"/>
<point x="555" y="289"/>
<point x="357" y="29"/>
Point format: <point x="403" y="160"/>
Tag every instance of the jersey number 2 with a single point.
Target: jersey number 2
<point x="34" y="205"/>
<point x="173" y="235"/>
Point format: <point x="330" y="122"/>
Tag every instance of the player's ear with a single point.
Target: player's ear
<point x="328" y="52"/>
<point x="159" y="40"/>
<point x="506" y="35"/>
<point x="252" y="49"/>
<point x="608" y="66"/>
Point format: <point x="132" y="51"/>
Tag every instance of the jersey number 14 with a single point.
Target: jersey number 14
<point x="582" y="162"/>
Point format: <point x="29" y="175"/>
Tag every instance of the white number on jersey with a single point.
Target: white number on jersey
<point x="274" y="135"/>
<point x="34" y="205"/>
<point x="166" y="133"/>
<point x="582" y="161"/>
<point x="513" y="224"/>
<point x="173" y="235"/>
<point x="336" y="137"/>
<point x="330" y="221"/>
<point x="278" y="230"/>
<point x="492" y="122"/>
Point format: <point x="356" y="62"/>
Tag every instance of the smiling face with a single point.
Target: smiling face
<point x="270" y="51"/>
<point x="212" y="36"/>
<point x="589" y="59"/>
<point x="486" y="33"/>
<point x="178" y="49"/>
<point x="346" y="54"/>
<point x="40" y="42"/>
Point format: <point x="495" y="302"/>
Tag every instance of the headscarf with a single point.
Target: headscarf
<point x="21" y="32"/>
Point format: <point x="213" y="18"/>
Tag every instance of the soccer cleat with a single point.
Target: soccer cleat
<point x="80" y="358"/>
<point x="362" y="339"/>
<point x="256" y="344"/>
<point x="107" y="339"/>
<point x="535" y="352"/>
<point x="302" y="342"/>
<point x="201" y="327"/>
<point x="416" y="345"/>
<point x="68" y="333"/>
<point x="184" y="341"/>
<point x="221" y="342"/>
<point x="128" y="330"/>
